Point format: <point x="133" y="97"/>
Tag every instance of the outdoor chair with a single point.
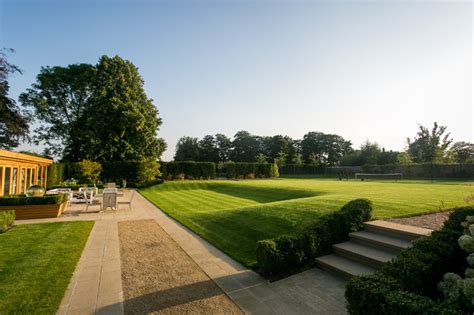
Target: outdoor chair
<point x="109" y="199"/>
<point x="111" y="185"/>
<point x="126" y="202"/>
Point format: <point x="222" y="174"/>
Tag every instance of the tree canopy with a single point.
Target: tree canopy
<point x="429" y="146"/>
<point x="13" y="124"/>
<point x="97" y="112"/>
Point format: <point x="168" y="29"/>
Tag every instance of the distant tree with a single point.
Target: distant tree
<point x="294" y="152"/>
<point x="314" y="159"/>
<point x="208" y="150"/>
<point x="429" y="146"/>
<point x="245" y="147"/>
<point x="280" y="160"/>
<point x="463" y="152"/>
<point x="403" y="158"/>
<point x="353" y="159"/>
<point x="187" y="149"/>
<point x="328" y="148"/>
<point x="387" y="157"/>
<point x="369" y="152"/>
<point x="297" y="159"/>
<point x="13" y="125"/>
<point x="261" y="158"/>
<point x="224" y="147"/>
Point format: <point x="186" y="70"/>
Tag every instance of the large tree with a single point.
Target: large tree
<point x="224" y="147"/>
<point x="60" y="101"/>
<point x="96" y="112"/>
<point x="123" y="122"/>
<point x="187" y="149"/>
<point x="246" y="147"/>
<point x="208" y="150"/>
<point x="429" y="146"/>
<point x="13" y="125"/>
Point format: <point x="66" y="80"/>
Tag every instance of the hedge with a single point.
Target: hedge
<point x="22" y="200"/>
<point x="188" y="170"/>
<point x="134" y="172"/>
<point x="288" y="253"/>
<point x="250" y="170"/>
<point x="408" y="285"/>
<point x="7" y="218"/>
<point x="301" y="169"/>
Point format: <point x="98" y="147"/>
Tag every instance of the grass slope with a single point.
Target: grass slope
<point x="233" y="215"/>
<point x="36" y="263"/>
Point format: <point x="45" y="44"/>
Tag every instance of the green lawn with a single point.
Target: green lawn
<point x="36" y="263"/>
<point x="233" y="215"/>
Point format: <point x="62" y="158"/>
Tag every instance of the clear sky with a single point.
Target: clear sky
<point x="364" y="70"/>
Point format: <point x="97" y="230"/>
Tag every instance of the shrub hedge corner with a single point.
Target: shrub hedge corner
<point x="287" y="253"/>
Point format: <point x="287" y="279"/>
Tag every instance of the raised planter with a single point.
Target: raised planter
<point x="37" y="211"/>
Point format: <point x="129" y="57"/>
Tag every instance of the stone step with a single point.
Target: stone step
<point x="379" y="240"/>
<point x="367" y="255"/>
<point x="343" y="266"/>
<point x="405" y="232"/>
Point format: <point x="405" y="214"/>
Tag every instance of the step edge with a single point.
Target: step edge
<point x="375" y="260"/>
<point x="398" y="228"/>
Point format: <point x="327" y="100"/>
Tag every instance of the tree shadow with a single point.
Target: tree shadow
<point x="263" y="194"/>
<point x="178" y="298"/>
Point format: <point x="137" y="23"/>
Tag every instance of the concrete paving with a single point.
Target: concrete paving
<point x="96" y="285"/>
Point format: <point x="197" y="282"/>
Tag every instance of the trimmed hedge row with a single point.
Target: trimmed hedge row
<point x="287" y="253"/>
<point x="408" y="285"/>
<point x="251" y="170"/>
<point x="7" y="218"/>
<point x="22" y="200"/>
<point x="134" y="172"/>
<point x="301" y="169"/>
<point x="188" y="170"/>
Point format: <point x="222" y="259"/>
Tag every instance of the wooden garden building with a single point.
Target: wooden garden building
<point x="19" y="171"/>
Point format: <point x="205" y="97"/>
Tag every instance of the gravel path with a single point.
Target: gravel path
<point x="432" y="221"/>
<point x="158" y="277"/>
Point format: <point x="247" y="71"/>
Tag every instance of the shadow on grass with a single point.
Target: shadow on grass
<point x="262" y="194"/>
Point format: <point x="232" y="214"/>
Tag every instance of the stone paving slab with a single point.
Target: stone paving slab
<point x="96" y="285"/>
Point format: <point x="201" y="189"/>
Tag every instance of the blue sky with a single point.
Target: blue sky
<point x="364" y="70"/>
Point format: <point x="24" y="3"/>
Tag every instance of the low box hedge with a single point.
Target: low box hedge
<point x="408" y="285"/>
<point x="22" y="200"/>
<point x="7" y="218"/>
<point x="288" y="253"/>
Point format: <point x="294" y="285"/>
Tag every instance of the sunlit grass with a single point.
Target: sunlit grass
<point x="36" y="264"/>
<point x="234" y="215"/>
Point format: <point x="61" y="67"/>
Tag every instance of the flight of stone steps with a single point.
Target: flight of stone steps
<point x="370" y="248"/>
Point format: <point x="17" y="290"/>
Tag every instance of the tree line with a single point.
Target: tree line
<point x="319" y="149"/>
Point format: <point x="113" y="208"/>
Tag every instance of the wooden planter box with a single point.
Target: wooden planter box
<point x="37" y="211"/>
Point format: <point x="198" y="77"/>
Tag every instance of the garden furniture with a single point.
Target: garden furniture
<point x="126" y="202"/>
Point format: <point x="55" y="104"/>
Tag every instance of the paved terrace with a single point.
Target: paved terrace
<point x="96" y="285"/>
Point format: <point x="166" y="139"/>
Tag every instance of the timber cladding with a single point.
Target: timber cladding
<point x="36" y="211"/>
